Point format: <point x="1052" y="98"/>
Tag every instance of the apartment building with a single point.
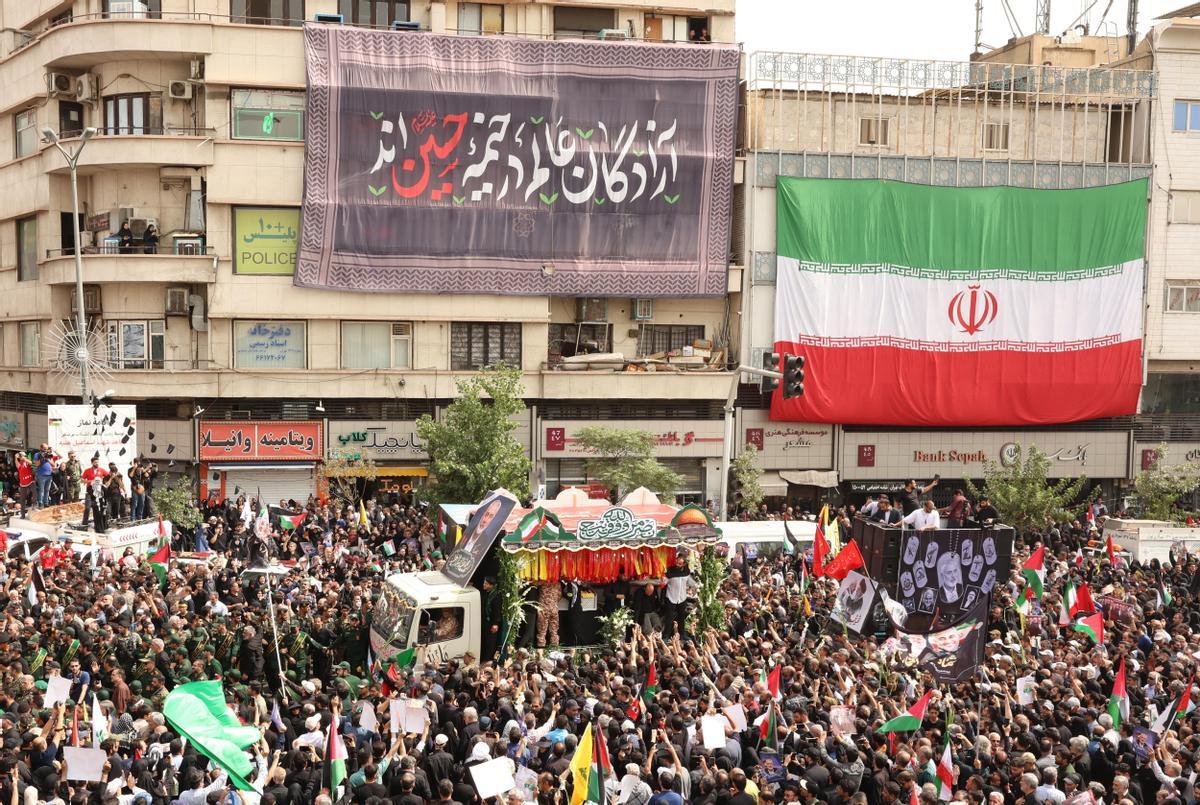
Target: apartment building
<point x="199" y="109"/>
<point x="968" y="124"/>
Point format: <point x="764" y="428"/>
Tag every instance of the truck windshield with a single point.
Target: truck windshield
<point x="394" y="617"/>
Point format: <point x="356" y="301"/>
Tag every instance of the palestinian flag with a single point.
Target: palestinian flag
<point x="1093" y="627"/>
<point x="912" y="719"/>
<point x="1164" y="596"/>
<point x="772" y="680"/>
<point x="650" y="689"/>
<point x="335" y="758"/>
<point x="581" y="769"/>
<point x="1083" y="604"/>
<point x="1069" y="596"/>
<point x="1185" y="700"/>
<point x="1091" y="518"/>
<point x="945" y="773"/>
<point x="1118" y="702"/>
<point x="1034" y="571"/>
<point x="820" y="544"/>
<point x="531" y="524"/>
<point x="292" y="521"/>
<point x="600" y="771"/>
<point x="36" y="585"/>
<point x="1001" y="277"/>
<point x="160" y="563"/>
<point x="768" y="728"/>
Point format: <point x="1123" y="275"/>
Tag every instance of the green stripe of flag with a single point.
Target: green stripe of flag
<point x="851" y="221"/>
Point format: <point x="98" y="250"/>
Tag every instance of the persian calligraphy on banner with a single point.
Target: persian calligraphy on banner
<point x="259" y="441"/>
<point x="444" y="164"/>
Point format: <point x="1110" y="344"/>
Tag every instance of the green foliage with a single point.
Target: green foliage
<point x="472" y="450"/>
<point x="346" y="475"/>
<point x="744" y="470"/>
<point x="623" y="460"/>
<point x="1160" y="487"/>
<point x="1023" y="495"/>
<point x="710" y="612"/>
<point x="176" y="503"/>
<point x="512" y="590"/>
<point x="614" y="628"/>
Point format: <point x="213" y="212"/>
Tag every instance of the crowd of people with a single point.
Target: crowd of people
<point x="124" y="637"/>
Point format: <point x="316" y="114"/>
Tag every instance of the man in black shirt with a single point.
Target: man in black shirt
<point x="910" y="498"/>
<point x="986" y="514"/>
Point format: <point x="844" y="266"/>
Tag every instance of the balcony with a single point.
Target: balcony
<point x="177" y="269"/>
<point x="184" y="147"/>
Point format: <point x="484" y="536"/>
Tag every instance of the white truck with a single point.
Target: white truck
<point x="1150" y="539"/>
<point x="430" y="610"/>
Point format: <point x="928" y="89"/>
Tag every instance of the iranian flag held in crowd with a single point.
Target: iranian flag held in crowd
<point x="924" y="305"/>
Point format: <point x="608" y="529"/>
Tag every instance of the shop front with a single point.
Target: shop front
<point x="1145" y="457"/>
<point x="690" y="447"/>
<point x="879" y="462"/>
<point x="168" y="443"/>
<point x="400" y="457"/>
<point x="796" y="458"/>
<point x="276" y="460"/>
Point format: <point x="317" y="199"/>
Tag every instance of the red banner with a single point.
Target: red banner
<point x="261" y="441"/>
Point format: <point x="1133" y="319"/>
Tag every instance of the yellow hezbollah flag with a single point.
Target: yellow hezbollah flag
<point x="581" y="767"/>
<point x="362" y="517"/>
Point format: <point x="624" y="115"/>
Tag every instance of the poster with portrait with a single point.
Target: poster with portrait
<point x="949" y="655"/>
<point x="482" y="529"/>
<point x="854" y="603"/>
<point x="943" y="574"/>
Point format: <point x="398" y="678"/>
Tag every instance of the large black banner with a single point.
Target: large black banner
<point x="447" y="164"/>
<point x="484" y="526"/>
<point x="951" y="654"/>
<point x="944" y="573"/>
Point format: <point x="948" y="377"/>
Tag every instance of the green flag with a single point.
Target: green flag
<point x="198" y="712"/>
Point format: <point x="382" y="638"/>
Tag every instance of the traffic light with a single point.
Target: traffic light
<point x="793" y="376"/>
<point x="771" y="364"/>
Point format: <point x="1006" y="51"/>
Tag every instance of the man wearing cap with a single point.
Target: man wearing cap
<point x="439" y="763"/>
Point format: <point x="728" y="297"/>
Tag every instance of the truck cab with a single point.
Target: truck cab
<point x="426" y="609"/>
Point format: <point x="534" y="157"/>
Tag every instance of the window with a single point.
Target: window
<point x="657" y="338"/>
<point x="480" y="18"/>
<point x="137" y="344"/>
<point x="268" y="114"/>
<point x="582" y="22"/>
<point x="1187" y="116"/>
<point x="1171" y="393"/>
<point x="995" y="136"/>
<point x="136" y="9"/>
<point x="376" y="345"/>
<point x="27" y="133"/>
<point x="270" y="344"/>
<point x="698" y="30"/>
<point x="31" y="343"/>
<point x="874" y="130"/>
<point x="476" y="344"/>
<point x="591" y="338"/>
<point x="27" y="249"/>
<point x="1185" y="207"/>
<point x="377" y="13"/>
<point x="439" y="624"/>
<point x="133" y="113"/>
<point x="1183" y="296"/>
<point x="269" y="12"/>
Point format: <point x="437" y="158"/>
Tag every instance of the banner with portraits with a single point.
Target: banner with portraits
<point x="948" y="655"/>
<point x="943" y="574"/>
<point x="855" y="602"/>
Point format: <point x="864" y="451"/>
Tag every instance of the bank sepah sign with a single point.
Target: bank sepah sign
<point x="265" y="240"/>
<point x="379" y="441"/>
<point x="964" y="454"/>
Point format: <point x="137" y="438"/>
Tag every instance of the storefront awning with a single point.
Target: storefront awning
<point x="772" y="485"/>
<point x="381" y="472"/>
<point x="252" y="465"/>
<point x="821" y="478"/>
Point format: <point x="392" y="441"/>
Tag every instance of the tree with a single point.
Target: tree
<point x="175" y="502"/>
<point x="346" y="476"/>
<point x="472" y="450"/>
<point x="623" y="460"/>
<point x="1160" y="487"/>
<point x="1022" y="493"/>
<point x="745" y="474"/>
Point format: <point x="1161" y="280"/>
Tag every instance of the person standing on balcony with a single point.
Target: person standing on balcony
<point x="150" y="240"/>
<point x="125" y="239"/>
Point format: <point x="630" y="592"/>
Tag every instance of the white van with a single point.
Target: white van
<point x="427" y="609"/>
<point x="765" y="537"/>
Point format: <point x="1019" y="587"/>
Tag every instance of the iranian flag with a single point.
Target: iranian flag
<point x="1034" y="571"/>
<point x="911" y="720"/>
<point x="1008" y="303"/>
<point x="945" y="773"/>
<point x="1118" y="702"/>
<point x="531" y="524"/>
<point x="1069" y="597"/>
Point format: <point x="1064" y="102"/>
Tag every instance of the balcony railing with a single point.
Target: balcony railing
<point x="138" y="248"/>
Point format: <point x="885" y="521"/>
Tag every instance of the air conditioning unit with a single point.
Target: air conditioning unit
<point x="139" y="226"/>
<point x="405" y="25"/>
<point x="334" y="19"/>
<point x="591" y="309"/>
<point x="180" y="90"/>
<point x="642" y="310"/>
<point x="188" y="244"/>
<point x="196" y="69"/>
<point x="87" y="88"/>
<point x="177" y="302"/>
<point x="60" y="84"/>
<point x="91" y="301"/>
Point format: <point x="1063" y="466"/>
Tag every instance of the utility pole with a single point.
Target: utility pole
<point x="1042" y="24"/>
<point x="1131" y="24"/>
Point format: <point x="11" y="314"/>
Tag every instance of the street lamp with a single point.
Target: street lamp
<point x="81" y="347"/>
